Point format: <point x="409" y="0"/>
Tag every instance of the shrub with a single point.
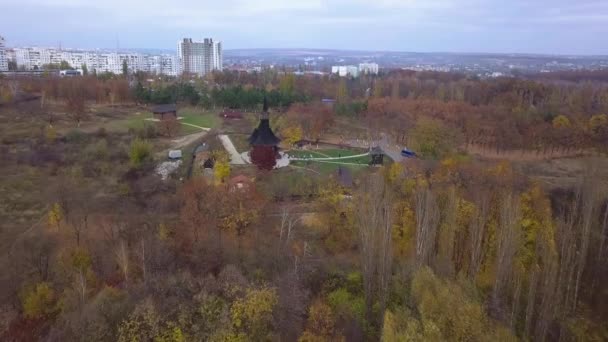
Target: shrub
<point x="75" y="136"/>
<point x="139" y="152"/>
<point x="39" y="301"/>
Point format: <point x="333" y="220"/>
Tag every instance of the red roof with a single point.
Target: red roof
<point x="231" y="114"/>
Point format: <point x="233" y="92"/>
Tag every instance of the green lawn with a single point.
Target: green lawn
<point x="329" y="166"/>
<point x="328" y="153"/>
<point x="189" y="115"/>
<point x="199" y="117"/>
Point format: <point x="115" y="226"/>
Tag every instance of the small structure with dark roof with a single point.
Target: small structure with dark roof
<point x="264" y="144"/>
<point x="377" y="156"/>
<point x="165" y="112"/>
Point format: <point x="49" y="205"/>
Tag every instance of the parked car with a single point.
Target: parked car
<point x="408" y="154"/>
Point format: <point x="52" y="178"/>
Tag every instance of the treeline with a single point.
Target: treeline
<point x="235" y="97"/>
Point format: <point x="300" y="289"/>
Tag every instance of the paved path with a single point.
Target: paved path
<point x="330" y="158"/>
<point x="235" y="157"/>
<point x="391" y="150"/>
<point x="206" y="129"/>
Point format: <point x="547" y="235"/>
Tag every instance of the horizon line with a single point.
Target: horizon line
<point x="557" y="54"/>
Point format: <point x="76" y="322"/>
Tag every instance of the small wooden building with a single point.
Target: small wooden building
<point x="230" y="114"/>
<point x="377" y="156"/>
<point x="264" y="144"/>
<point x="165" y="112"/>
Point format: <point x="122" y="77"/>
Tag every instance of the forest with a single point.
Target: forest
<point x="481" y="238"/>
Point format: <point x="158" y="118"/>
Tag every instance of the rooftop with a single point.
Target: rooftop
<point x="164" y="108"/>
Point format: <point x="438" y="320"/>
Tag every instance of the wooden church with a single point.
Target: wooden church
<point x="264" y="144"/>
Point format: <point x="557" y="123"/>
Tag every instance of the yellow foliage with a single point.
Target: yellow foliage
<point x="536" y="227"/>
<point x="337" y="215"/>
<point x="51" y="134"/>
<point x="393" y="172"/>
<point x="40" y="301"/>
<point x="163" y="232"/>
<point x="404" y="230"/>
<point x="561" y="121"/>
<point x="444" y="306"/>
<point x="598" y="121"/>
<point x="55" y="216"/>
<point x="221" y="171"/>
<point x="292" y="134"/>
<point x="252" y="315"/>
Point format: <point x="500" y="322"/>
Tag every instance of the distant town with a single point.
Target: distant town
<point x="202" y="57"/>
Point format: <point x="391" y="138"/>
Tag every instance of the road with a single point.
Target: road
<point x="391" y="150"/>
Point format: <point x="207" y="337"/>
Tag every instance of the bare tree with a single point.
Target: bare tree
<point x="374" y="224"/>
<point x="477" y="232"/>
<point x="289" y="221"/>
<point x="508" y="240"/>
<point x="447" y="234"/>
<point x="122" y="258"/>
<point x="427" y="220"/>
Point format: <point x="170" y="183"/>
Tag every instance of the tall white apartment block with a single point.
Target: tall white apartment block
<point x="369" y="68"/>
<point x="199" y="58"/>
<point x="3" y="55"/>
<point x="345" y="70"/>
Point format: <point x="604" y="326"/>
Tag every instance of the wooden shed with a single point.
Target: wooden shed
<point x="165" y="112"/>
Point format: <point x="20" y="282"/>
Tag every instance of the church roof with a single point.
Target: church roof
<point x="263" y="135"/>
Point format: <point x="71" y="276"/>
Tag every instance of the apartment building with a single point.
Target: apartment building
<point x="369" y="68"/>
<point x="34" y="58"/>
<point x="3" y="55"/>
<point x="199" y="57"/>
<point x="354" y="71"/>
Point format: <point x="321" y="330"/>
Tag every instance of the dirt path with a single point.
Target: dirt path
<point x="186" y="140"/>
<point x="523" y="155"/>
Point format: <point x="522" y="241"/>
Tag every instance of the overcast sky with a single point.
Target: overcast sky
<point x="536" y="26"/>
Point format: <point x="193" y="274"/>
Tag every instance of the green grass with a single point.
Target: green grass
<point x="326" y="167"/>
<point x="330" y="166"/>
<point x="306" y="154"/>
<point x="191" y="116"/>
<point x="329" y="153"/>
<point x="199" y="117"/>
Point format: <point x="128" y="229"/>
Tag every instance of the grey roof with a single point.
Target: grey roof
<point x="377" y="151"/>
<point x="164" y="108"/>
<point x="263" y="135"/>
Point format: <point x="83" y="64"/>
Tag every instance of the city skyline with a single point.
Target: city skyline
<point x="542" y="27"/>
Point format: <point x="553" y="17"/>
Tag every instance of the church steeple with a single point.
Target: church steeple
<point x="263" y="135"/>
<point x="264" y="115"/>
<point x="264" y="144"/>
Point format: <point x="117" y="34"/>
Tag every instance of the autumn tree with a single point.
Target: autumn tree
<point x="252" y="314"/>
<point x="40" y="301"/>
<point x="75" y="98"/>
<point x="243" y="211"/>
<point x="374" y="221"/>
<point x="292" y="134"/>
